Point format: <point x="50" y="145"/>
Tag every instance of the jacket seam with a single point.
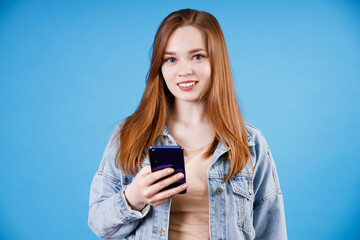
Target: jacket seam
<point x="115" y="207"/>
<point x="102" y="166"/>
<point x="121" y="197"/>
<point x="266" y="198"/>
<point x="110" y="178"/>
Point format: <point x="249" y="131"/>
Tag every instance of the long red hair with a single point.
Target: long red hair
<point x="144" y="126"/>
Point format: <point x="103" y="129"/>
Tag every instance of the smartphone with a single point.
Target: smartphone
<point x="168" y="157"/>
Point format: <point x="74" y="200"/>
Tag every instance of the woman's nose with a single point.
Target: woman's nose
<point x="185" y="69"/>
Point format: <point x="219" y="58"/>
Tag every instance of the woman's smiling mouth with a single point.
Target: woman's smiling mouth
<point x="187" y="85"/>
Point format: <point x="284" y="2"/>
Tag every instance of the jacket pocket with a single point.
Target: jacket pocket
<point x="243" y="198"/>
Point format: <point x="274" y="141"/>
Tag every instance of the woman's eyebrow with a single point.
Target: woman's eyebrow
<point x="197" y="50"/>
<point x="191" y="51"/>
<point x="170" y="53"/>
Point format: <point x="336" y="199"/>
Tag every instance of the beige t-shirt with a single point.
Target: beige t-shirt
<point x="189" y="213"/>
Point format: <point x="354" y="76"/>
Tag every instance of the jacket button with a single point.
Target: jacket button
<point x="219" y="191"/>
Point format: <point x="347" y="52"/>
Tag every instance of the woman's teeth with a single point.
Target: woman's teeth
<point x="189" y="84"/>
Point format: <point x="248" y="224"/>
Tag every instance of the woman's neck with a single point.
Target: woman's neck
<point x="189" y="125"/>
<point x="189" y="113"/>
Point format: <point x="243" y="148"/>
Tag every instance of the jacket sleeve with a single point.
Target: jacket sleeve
<point x="110" y="216"/>
<point x="269" y="216"/>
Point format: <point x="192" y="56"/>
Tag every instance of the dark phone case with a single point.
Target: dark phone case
<point x="168" y="157"/>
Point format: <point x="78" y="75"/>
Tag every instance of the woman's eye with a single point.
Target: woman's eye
<point x="170" y="59"/>
<point x="198" y="57"/>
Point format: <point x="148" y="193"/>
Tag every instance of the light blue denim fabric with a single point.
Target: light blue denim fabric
<point x="242" y="208"/>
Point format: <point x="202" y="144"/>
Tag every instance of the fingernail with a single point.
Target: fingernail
<point x="180" y="175"/>
<point x="185" y="186"/>
<point x="170" y="170"/>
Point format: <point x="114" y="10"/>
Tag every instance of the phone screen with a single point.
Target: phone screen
<point x="168" y="157"/>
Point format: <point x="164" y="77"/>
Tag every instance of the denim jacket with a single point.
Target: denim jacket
<point x="242" y="208"/>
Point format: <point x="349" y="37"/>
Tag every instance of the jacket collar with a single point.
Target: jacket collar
<point x="249" y="139"/>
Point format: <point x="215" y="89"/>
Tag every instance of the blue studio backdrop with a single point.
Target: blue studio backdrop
<point x="71" y="70"/>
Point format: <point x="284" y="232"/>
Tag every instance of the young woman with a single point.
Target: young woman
<point x="232" y="186"/>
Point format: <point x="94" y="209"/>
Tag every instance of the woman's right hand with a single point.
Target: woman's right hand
<point x="145" y="190"/>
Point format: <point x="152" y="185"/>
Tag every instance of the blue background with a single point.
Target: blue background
<point x="70" y="70"/>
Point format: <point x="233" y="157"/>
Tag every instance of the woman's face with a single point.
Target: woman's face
<point x="186" y="66"/>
